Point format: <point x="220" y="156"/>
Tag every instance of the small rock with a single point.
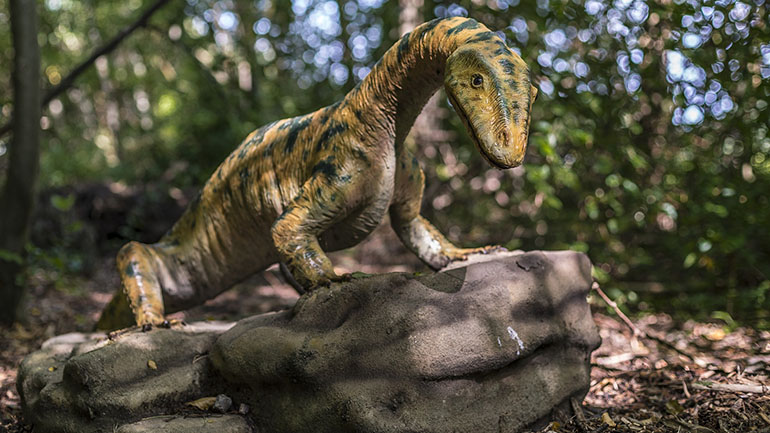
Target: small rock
<point x="243" y="409"/>
<point x="222" y="404"/>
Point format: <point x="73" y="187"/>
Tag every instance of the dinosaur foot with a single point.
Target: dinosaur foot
<point x="165" y="324"/>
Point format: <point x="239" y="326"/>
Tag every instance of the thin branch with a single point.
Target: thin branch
<point x="635" y="329"/>
<point x="637" y="332"/>
<point x="107" y="48"/>
<point x="731" y="387"/>
<point x="577" y="408"/>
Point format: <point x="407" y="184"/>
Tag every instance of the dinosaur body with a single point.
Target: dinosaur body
<point x="323" y="181"/>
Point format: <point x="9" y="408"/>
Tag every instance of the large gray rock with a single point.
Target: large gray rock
<point x="492" y="345"/>
<point x="87" y="383"/>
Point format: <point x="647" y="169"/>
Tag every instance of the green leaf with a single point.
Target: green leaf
<point x="673" y="407"/>
<point x="717" y="209"/>
<point x="63" y="203"/>
<point x="10" y="256"/>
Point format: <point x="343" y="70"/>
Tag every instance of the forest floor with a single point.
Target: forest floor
<point x="662" y="376"/>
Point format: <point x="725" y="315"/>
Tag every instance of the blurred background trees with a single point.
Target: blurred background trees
<point x="649" y="147"/>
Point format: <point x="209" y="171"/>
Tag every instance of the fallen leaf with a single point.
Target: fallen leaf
<point x="152" y="364"/>
<point x="204" y="403"/>
<point x="52" y="368"/>
<point x="674" y="408"/>
<point x="716" y="335"/>
<point x="607" y="420"/>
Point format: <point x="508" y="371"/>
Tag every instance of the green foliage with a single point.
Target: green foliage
<point x="657" y="173"/>
<point x="649" y="148"/>
<point x="10" y="256"/>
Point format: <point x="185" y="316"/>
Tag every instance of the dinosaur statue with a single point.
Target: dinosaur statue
<point x="323" y="181"/>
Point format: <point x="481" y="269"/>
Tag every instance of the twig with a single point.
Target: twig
<point x="635" y="329"/>
<point x="578" y="410"/>
<point x="107" y="48"/>
<point x="731" y="387"/>
<point x="637" y="332"/>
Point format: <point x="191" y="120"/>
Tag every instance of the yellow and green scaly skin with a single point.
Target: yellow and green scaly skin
<point x="323" y="181"/>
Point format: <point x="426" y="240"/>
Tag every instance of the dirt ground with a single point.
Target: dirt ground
<point x="669" y="377"/>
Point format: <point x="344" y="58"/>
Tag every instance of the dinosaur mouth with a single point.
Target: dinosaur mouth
<point x="472" y="131"/>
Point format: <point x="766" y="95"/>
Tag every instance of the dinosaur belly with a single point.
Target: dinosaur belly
<point x="353" y="229"/>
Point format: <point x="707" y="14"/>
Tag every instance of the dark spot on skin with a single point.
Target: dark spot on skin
<point x="403" y="47"/>
<point x="244" y="174"/>
<point x="502" y="103"/>
<point x="329" y="111"/>
<point x="256" y="140"/>
<point x="319" y="191"/>
<point x="507" y="65"/>
<point x="516" y="111"/>
<point x="500" y="44"/>
<point x="297" y="127"/>
<point x="430" y="26"/>
<point x="483" y="37"/>
<point x="501" y="52"/>
<point x="334" y="197"/>
<point x="129" y="270"/>
<point x="280" y="217"/>
<point x="467" y="25"/>
<point x="345" y="178"/>
<point x="514" y="85"/>
<point x="326" y="167"/>
<point x="358" y="114"/>
<point x="327" y="135"/>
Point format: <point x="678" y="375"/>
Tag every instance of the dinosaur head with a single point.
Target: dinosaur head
<point x="489" y="87"/>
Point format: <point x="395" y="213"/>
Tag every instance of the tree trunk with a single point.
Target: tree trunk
<point x="18" y="196"/>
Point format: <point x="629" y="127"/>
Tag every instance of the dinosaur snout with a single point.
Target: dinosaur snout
<point x="507" y="148"/>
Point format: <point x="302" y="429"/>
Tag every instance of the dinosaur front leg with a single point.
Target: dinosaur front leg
<point x="417" y="233"/>
<point x="295" y="233"/>
<point x="432" y="247"/>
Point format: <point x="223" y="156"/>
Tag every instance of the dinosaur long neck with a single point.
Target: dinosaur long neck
<point x="391" y="97"/>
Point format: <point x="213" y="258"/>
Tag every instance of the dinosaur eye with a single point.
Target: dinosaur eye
<point x="476" y="80"/>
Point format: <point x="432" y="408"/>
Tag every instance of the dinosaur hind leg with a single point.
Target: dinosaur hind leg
<point x="141" y="295"/>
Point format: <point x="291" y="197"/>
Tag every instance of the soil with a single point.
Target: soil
<point x="665" y="376"/>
